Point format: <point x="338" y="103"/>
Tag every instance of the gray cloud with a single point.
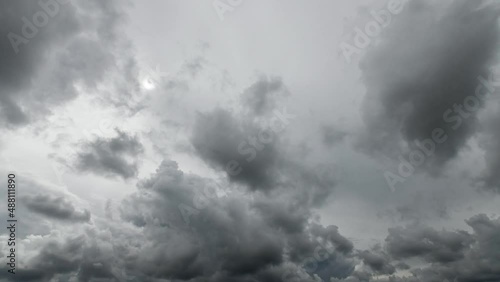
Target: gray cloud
<point x="263" y="222"/>
<point x="489" y="141"/>
<point x="248" y="147"/>
<point x="427" y="63"/>
<point x="222" y="239"/>
<point x="235" y="145"/>
<point x="55" y="207"/>
<point x="60" y="258"/>
<point x="261" y="97"/>
<point x="49" y="48"/>
<point x="227" y="238"/>
<point x="447" y="255"/>
<point x="454" y="255"/>
<point x="221" y="139"/>
<point x="76" y="258"/>
<point x="427" y="243"/>
<point x="378" y="262"/>
<point x="115" y="156"/>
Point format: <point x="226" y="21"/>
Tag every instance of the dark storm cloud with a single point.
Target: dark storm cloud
<point x="328" y="255"/>
<point x="227" y="237"/>
<point x="427" y="243"/>
<point x="455" y="255"/>
<point x="55" y="207"/>
<point x="221" y="140"/>
<point x="247" y="146"/>
<point x="261" y="97"/>
<point x="448" y="255"/>
<point x="331" y="232"/>
<point x="224" y="238"/>
<point x="248" y="152"/>
<point x="424" y="75"/>
<point x="59" y="258"/>
<point x="255" y="157"/>
<point x="17" y="69"/>
<point x="190" y="228"/>
<point x="115" y="156"/>
<point x="50" y="47"/>
<point x="378" y="262"/>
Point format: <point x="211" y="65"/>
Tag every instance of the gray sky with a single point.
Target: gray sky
<point x="251" y="140"/>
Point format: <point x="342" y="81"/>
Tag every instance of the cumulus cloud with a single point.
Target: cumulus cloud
<point x="452" y="255"/>
<point x="227" y="237"/>
<point x="115" y="156"/>
<point x="429" y="71"/>
<point x="184" y="227"/>
<point x="437" y="255"/>
<point x="82" y="257"/>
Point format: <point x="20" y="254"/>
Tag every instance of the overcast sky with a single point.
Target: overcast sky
<point x="243" y="141"/>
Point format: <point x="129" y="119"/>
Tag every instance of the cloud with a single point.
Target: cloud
<point x="489" y="142"/>
<point x="189" y="228"/>
<point x="55" y="207"/>
<point x="227" y="237"/>
<point x="224" y="238"/>
<point x="247" y="145"/>
<point x="424" y="75"/>
<point x="115" y="156"/>
<point x="60" y="258"/>
<point x="71" y="258"/>
<point x="222" y="140"/>
<point x="427" y="243"/>
<point x="236" y="146"/>
<point x="378" y="262"/>
<point x="453" y="255"/>
<point x="261" y="97"/>
<point x="53" y="50"/>
<point x="44" y="207"/>
<point x="435" y="255"/>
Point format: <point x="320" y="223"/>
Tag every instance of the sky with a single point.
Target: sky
<point x="243" y="141"/>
